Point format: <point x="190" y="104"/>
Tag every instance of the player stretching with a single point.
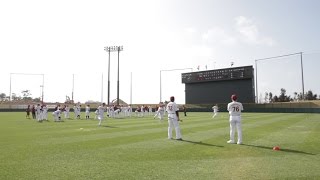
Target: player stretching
<point x="235" y="109"/>
<point x="173" y="119"/>
<point x="160" y="112"/>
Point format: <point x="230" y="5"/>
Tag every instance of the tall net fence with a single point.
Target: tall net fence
<point x="294" y="73"/>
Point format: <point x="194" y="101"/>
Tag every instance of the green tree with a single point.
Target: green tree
<point x="310" y="96"/>
<point x="270" y="97"/>
<point x="26" y="94"/>
<point x="283" y="97"/>
<point x="15" y="97"/>
<point x="2" y="96"/>
<point x="36" y="100"/>
<point x="266" y="97"/>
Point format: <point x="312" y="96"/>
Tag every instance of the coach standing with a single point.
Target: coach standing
<point x="235" y="109"/>
<point x="173" y="119"/>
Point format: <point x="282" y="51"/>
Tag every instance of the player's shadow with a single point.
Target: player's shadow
<point x="281" y="149"/>
<point x="201" y="143"/>
<point x="106" y="126"/>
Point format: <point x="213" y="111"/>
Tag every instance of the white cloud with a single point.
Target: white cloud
<point x="250" y="33"/>
<point x="218" y="35"/>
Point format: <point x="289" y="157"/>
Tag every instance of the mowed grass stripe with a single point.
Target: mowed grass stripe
<point x="149" y="155"/>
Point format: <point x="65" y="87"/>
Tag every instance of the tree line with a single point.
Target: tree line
<point x="25" y="96"/>
<point x="269" y="97"/>
<point x="283" y="97"/>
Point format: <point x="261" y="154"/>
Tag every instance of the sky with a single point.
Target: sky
<point x="64" y="40"/>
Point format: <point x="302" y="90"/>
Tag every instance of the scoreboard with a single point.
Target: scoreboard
<point x="245" y="72"/>
<point x="216" y="86"/>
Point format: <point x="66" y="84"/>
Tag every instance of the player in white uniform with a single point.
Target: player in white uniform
<point x="38" y="112"/>
<point x="173" y="119"/>
<point x="215" y="110"/>
<point x="150" y="110"/>
<point x="142" y="111"/>
<point x="88" y="111"/>
<point x="116" y="111"/>
<point x="96" y="113"/>
<point x="111" y="111"/>
<point x="235" y="109"/>
<point x="129" y="110"/>
<point x="44" y="112"/>
<point x="66" y="112"/>
<point x="160" y="112"/>
<point x="57" y="115"/>
<point x="101" y="110"/>
<point x="75" y="111"/>
<point x="78" y="111"/>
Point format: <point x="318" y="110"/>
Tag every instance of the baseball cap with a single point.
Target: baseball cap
<point x="234" y="97"/>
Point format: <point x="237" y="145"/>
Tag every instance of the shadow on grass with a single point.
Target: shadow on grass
<point x="201" y="143"/>
<point x="109" y="126"/>
<point x="281" y="149"/>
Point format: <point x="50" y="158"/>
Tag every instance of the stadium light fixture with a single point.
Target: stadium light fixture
<point x="113" y="49"/>
<point x="169" y="70"/>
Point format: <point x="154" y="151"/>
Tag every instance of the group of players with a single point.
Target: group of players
<point x="40" y="113"/>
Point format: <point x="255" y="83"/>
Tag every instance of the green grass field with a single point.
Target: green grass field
<point x="138" y="148"/>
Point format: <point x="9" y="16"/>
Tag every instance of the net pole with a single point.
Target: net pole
<point x="302" y="78"/>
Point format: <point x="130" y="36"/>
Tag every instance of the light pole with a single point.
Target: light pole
<point x="161" y="78"/>
<point x="72" y="88"/>
<point x="264" y="59"/>
<point x="113" y="49"/>
<point x="41" y="86"/>
<point x="302" y="75"/>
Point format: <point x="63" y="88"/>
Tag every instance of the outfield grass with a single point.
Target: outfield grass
<point x="138" y="148"/>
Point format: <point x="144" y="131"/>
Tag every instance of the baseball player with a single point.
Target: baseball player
<point x="215" y="109"/>
<point x="66" y="112"/>
<point x="38" y="112"/>
<point x="88" y="111"/>
<point x="57" y="115"/>
<point x="75" y="110"/>
<point x="44" y="112"/>
<point x="150" y="110"/>
<point x="160" y="112"/>
<point x="101" y="110"/>
<point x="129" y="110"/>
<point x="28" y="112"/>
<point x="173" y="119"/>
<point x="142" y="111"/>
<point x="96" y="113"/>
<point x="235" y="109"/>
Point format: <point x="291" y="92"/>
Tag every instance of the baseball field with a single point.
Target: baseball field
<point x="138" y="148"/>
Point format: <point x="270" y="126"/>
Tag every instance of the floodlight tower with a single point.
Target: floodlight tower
<point x="113" y="49"/>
